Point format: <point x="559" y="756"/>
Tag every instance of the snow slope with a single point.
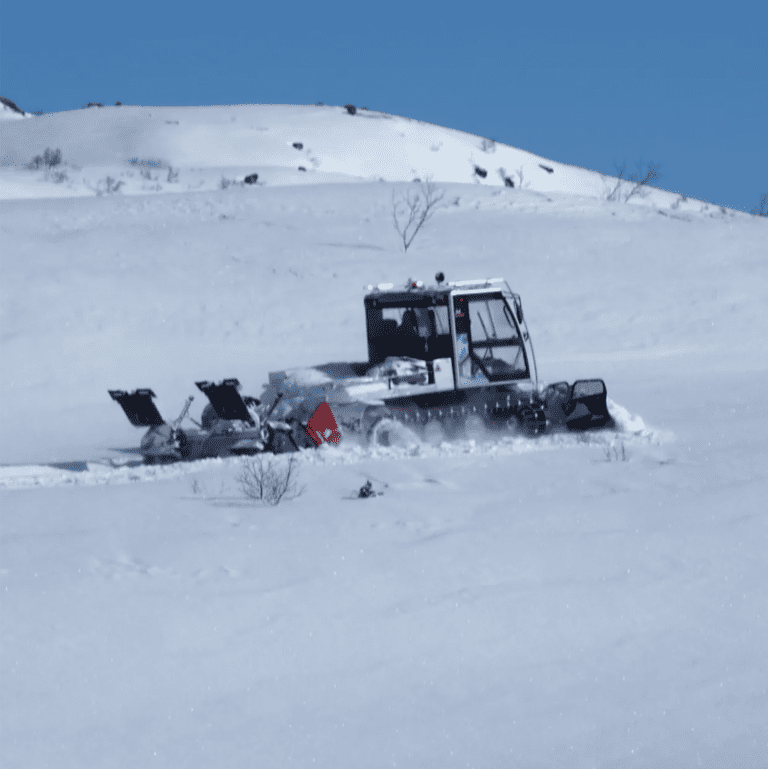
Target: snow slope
<point x="553" y="603"/>
<point x="136" y="147"/>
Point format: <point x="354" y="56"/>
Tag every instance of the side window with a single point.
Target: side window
<point x="412" y="332"/>
<point x="417" y="321"/>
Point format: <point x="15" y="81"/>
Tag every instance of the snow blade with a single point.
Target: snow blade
<point x="322" y="426"/>
<point x="226" y="400"/>
<point x="588" y="406"/>
<point x="138" y="407"/>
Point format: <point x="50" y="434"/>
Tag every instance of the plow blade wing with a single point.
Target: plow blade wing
<point x="138" y="407"/>
<point x="226" y="400"/>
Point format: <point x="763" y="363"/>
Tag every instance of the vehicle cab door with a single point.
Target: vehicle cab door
<point x="488" y="343"/>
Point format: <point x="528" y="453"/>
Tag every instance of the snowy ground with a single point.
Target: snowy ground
<point x="503" y="603"/>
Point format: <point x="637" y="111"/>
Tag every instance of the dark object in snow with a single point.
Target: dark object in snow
<point x="508" y="181"/>
<point x="350" y="108"/>
<point x="366" y="490"/>
<point x="298" y="145"/>
<point x="94" y="104"/>
<point x="118" y="104"/>
<point x="251" y="179"/>
<point x="11" y="105"/>
<point x="49" y="159"/>
<point x="301" y="168"/>
<point x="547" y="168"/>
<point x="481" y="172"/>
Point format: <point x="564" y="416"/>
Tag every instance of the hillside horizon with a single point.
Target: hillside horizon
<point x="283" y="145"/>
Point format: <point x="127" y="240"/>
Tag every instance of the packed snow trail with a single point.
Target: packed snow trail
<point x="629" y="431"/>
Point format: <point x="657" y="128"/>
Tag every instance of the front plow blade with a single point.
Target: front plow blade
<point x="587" y="407"/>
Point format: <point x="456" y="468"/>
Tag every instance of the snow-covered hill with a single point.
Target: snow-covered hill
<point x="556" y="603"/>
<point x="146" y="150"/>
<point x="9" y="110"/>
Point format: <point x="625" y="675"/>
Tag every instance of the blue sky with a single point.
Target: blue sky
<point x="596" y="84"/>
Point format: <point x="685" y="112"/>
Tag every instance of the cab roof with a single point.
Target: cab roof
<point x="416" y="290"/>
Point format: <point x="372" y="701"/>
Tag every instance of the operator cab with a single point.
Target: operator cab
<point x="474" y="324"/>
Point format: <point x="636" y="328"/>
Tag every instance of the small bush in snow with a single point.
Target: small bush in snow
<point x="48" y="160"/>
<point x="481" y="172"/>
<point x="634" y="184"/>
<point x="173" y="175"/>
<point x="412" y="212"/>
<point x="108" y="186"/>
<point x="351" y="109"/>
<point x="264" y="479"/>
<point x="615" y="453"/>
<point x="225" y="183"/>
<point x="762" y="210"/>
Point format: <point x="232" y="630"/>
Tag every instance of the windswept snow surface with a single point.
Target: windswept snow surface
<point x="576" y="601"/>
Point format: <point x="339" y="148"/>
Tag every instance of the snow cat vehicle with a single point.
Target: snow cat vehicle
<point x="449" y="353"/>
<point x="230" y="424"/>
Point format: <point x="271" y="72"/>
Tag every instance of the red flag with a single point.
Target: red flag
<point x="322" y="426"/>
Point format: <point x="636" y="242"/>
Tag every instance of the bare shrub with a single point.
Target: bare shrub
<point x="762" y="209"/>
<point x="225" y="183"/>
<point x="47" y="161"/>
<point x="678" y="200"/>
<point x="351" y="109"/>
<point x="108" y="186"/>
<point x="615" y="453"/>
<point x="173" y="175"/>
<point x="615" y="192"/>
<point x="634" y="184"/>
<point x="641" y="179"/>
<point x="267" y="480"/>
<point x="412" y="212"/>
